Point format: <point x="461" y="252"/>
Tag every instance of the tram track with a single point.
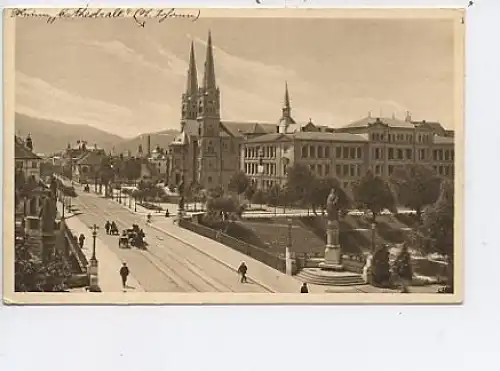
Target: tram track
<point x="181" y="270"/>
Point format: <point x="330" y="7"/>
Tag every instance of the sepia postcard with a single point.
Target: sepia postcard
<point x="233" y="156"/>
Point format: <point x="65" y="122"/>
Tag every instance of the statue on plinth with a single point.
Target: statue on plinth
<point x="333" y="257"/>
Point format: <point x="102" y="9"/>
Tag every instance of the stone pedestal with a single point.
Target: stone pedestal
<point x="288" y="262"/>
<point x="333" y="252"/>
<point x="93" y="276"/>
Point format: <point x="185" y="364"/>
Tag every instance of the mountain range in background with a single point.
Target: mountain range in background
<point x="53" y="136"/>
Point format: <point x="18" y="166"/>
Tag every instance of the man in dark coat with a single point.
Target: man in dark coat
<point x="81" y="240"/>
<point x="107" y="226"/>
<point x="124" y="272"/>
<point x="242" y="270"/>
<point x="304" y="289"/>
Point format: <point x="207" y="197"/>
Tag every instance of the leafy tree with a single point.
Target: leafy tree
<point x="193" y="192"/>
<point x="249" y="192"/>
<point x="105" y="174"/>
<point x="273" y="195"/>
<point x="34" y="275"/>
<point x="148" y="190"/>
<point x="416" y="186"/>
<point x="380" y="270"/>
<point x="374" y="194"/>
<point x="438" y="226"/>
<point x="239" y="182"/>
<point x="131" y="169"/>
<point x="259" y="197"/>
<point x="402" y="267"/>
<point x="222" y="210"/>
<point x="320" y="189"/>
<point x="299" y="181"/>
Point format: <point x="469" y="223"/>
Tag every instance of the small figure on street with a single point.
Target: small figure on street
<point x="304" y="289"/>
<point x="124" y="272"/>
<point x="167" y="213"/>
<point x="114" y="228"/>
<point x="148" y="218"/>
<point x="81" y="240"/>
<point x="242" y="270"/>
<point x="107" y="226"/>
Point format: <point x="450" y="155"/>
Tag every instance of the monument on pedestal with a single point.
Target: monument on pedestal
<point x="333" y="253"/>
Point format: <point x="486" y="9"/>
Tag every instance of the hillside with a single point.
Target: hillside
<point x="53" y="136"/>
<point x="161" y="139"/>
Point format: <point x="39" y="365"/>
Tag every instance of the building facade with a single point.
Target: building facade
<point x="373" y="143"/>
<point x="26" y="161"/>
<point x="208" y="151"/>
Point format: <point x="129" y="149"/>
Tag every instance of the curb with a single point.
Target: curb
<point x="258" y="282"/>
<point x="272" y="290"/>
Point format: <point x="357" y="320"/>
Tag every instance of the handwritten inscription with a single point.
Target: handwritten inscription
<point x="138" y="15"/>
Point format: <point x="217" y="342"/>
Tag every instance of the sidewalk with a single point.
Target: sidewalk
<point x="258" y="272"/>
<point x="109" y="263"/>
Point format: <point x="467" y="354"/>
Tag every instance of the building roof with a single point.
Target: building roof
<point x="21" y="152"/>
<point x="272" y="137"/>
<point x="443" y="140"/>
<point x="391" y="122"/>
<point x="240" y="129"/>
<point x="91" y="158"/>
<point x="325" y="136"/>
<point x="309" y="135"/>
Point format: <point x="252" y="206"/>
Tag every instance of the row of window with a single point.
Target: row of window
<point x="264" y="169"/>
<point x="324" y="170"/>
<point x="260" y="152"/>
<point x="400" y="138"/>
<point x="443" y="155"/>
<point x="310" y="151"/>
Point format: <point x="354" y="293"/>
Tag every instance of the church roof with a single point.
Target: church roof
<point x="241" y="129"/>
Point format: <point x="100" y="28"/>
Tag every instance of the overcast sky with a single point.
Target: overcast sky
<point x="127" y="80"/>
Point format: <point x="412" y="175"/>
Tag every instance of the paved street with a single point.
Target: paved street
<point x="168" y="265"/>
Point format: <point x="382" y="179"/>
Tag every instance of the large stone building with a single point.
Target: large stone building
<point x="209" y="151"/>
<point x="372" y="143"/>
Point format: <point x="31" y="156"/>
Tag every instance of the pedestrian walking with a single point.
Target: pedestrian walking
<point x="81" y="240"/>
<point x="124" y="272"/>
<point x="107" y="226"/>
<point x="304" y="289"/>
<point x="242" y="270"/>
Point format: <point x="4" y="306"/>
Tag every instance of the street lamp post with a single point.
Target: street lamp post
<point x="93" y="268"/>
<point x="288" y="259"/>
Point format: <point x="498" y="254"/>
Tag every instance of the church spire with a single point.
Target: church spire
<point x="209" y="77"/>
<point x="286" y="104"/>
<point x="192" y="79"/>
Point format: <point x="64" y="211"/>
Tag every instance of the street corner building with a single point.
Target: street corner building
<point x="209" y="150"/>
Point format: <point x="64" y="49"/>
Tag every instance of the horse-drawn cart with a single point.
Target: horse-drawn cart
<point x="123" y="242"/>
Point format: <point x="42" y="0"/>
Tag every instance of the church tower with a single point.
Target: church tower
<point x="189" y="98"/>
<point x="209" y="153"/>
<point x="286" y="114"/>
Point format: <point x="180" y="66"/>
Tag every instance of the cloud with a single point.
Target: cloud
<point x="117" y="49"/>
<point x="36" y="97"/>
